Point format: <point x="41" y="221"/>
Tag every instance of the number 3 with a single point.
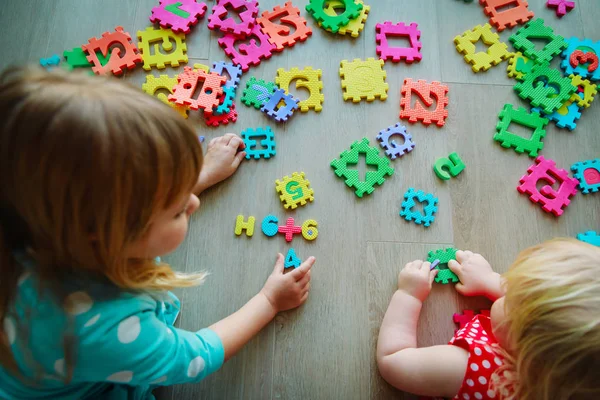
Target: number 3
<point x="453" y="163"/>
<point x="579" y="57"/>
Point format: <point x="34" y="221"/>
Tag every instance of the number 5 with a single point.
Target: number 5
<point x="453" y="163"/>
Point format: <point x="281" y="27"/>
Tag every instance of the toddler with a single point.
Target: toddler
<point x="97" y="180"/>
<point x="541" y="341"/>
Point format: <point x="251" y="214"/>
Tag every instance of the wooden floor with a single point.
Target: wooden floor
<point x="326" y="349"/>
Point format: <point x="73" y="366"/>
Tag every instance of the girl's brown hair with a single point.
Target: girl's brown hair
<point x="85" y="162"/>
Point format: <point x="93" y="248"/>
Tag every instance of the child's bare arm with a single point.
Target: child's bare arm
<point x="477" y="278"/>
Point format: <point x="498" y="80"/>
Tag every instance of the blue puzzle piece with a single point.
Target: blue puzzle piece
<point x="590" y="237"/>
<point x="282" y="113"/>
<point x="588" y="175"/>
<point x="48" y="63"/>
<point x="225" y="107"/>
<point x="268" y="143"/>
<point x="234" y="71"/>
<point x="568" y="120"/>
<point x="269" y="225"/>
<point x="412" y="215"/>
<point x="392" y="149"/>
<point x="291" y="260"/>
<point x="585" y="45"/>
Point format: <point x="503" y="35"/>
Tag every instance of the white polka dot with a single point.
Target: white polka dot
<point x="9" y="329"/>
<point x="478" y="351"/>
<point x="474" y="367"/>
<point x="478" y="396"/>
<point x="470" y="382"/>
<point x="487" y="348"/>
<point x="469" y="340"/>
<point x="196" y="366"/>
<point x="476" y="325"/>
<point x="92" y="321"/>
<point x="497" y="361"/>
<point x="59" y="366"/>
<point x="486" y="364"/>
<point x="491" y="393"/>
<point x="466" y="396"/>
<point x="24" y="276"/>
<point x="78" y="303"/>
<point x="482" y="380"/>
<point x="129" y="329"/>
<point x="484" y="338"/>
<point x="121" y="377"/>
<point x="472" y="334"/>
<point x="159" y="380"/>
<point x="473" y="330"/>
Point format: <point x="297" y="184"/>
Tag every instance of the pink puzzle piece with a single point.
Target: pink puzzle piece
<point x="562" y="6"/>
<point x="250" y="53"/>
<point x="551" y="200"/>
<point x="289" y="230"/>
<point x="409" y="54"/>
<point x="179" y="15"/>
<point x="220" y="18"/>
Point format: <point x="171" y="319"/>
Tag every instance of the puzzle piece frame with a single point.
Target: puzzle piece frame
<point x="356" y="25"/>
<point x="294" y="190"/>
<point x="250" y="53"/>
<point x="544" y="96"/>
<point x="229" y="25"/>
<point x="508" y="18"/>
<point x="358" y="84"/>
<point x="279" y="35"/>
<point x="397" y="54"/>
<point x="150" y="37"/>
<point x="391" y="148"/>
<point x="117" y="63"/>
<point x="306" y="78"/>
<point x="280" y="113"/>
<point x="536" y="29"/>
<point x="580" y="172"/>
<point x="417" y="217"/>
<point x="574" y="44"/>
<point x="212" y="88"/>
<point x="333" y="23"/>
<point x="481" y="61"/>
<point x="268" y="143"/>
<point x="521" y="117"/>
<point x="426" y="92"/>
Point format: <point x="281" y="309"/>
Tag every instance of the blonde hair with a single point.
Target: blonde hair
<point x="553" y="323"/>
<point x="85" y="162"/>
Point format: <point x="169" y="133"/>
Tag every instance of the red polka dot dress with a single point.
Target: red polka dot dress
<point x="477" y="338"/>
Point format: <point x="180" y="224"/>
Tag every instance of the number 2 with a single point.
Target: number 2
<point x="453" y="163"/>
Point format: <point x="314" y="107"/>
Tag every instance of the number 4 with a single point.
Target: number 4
<point x="453" y="163"/>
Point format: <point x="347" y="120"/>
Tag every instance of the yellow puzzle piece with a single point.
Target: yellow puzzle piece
<point x="356" y="25"/>
<point x="515" y="67"/>
<point x="203" y="67"/>
<point x="482" y="61"/>
<point x="165" y="82"/>
<point x="294" y="191"/>
<point x="157" y="58"/>
<point x="589" y="91"/>
<point x="363" y="80"/>
<point x="241" y="225"/>
<point x="306" y="78"/>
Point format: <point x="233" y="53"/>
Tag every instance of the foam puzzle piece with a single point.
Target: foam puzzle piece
<point x="521" y="117"/>
<point x="467" y="316"/>
<point x="164" y="82"/>
<point x="372" y="157"/>
<point x="519" y="66"/>
<point x="253" y="52"/>
<point x="279" y="35"/>
<point x="267" y="142"/>
<point x="584" y="53"/>
<point x="562" y="6"/>
<point x="277" y="111"/>
<point x="590" y="237"/>
<point x="411" y="197"/>
<point x="427" y="92"/>
<point x="452" y="163"/>
<point x="545" y="88"/>
<point x="445" y="275"/>
<point x="223" y="119"/>
<point x="202" y="67"/>
<point x="502" y="17"/>
<point x="309" y="229"/>
<point x="241" y="225"/>
<point x="305" y="78"/>
<point x="291" y="259"/>
<point x="355" y="25"/>
<point x="536" y="29"/>
<point x="552" y="201"/>
<point x="587" y="91"/>
<point x="162" y="39"/>
<point x="363" y="80"/>
<point x="333" y="23"/>
<point x="220" y="19"/>
<point x="50" y="62"/>
<point x="188" y="80"/>
<point x="258" y="92"/>
<point x="391" y="148"/>
<point x="588" y="175"/>
<point x="234" y="72"/>
<point x="567" y="115"/>
<point x="178" y="15"/>
<point x="77" y="58"/>
<point x="226" y="101"/>
<point x="269" y="225"/>
<point x="481" y="61"/>
<point x="399" y="30"/>
<point x="119" y="59"/>
<point x="294" y="191"/>
<point x="289" y="229"/>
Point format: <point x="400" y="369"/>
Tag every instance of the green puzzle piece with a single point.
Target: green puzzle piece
<point x="522" y="117"/>
<point x="545" y="87"/>
<point x="77" y="58"/>
<point x="445" y="275"/>
<point x="524" y="67"/>
<point x="537" y="30"/>
<point x="257" y="92"/>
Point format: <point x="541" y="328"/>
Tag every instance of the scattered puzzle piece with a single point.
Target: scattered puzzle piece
<point x="551" y="200"/>
<point x="333" y="22"/>
<point x="278" y="111"/>
<point x="562" y="6"/>
<point x="588" y="175"/>
<point x="356" y="25"/>
<point x="396" y="54"/>
<point x="589" y="91"/>
<point x="234" y="72"/>
<point x="427" y="92"/>
<point x="372" y="157"/>
<point x="157" y="58"/>
<point x="502" y="17"/>
<point x="581" y="58"/>
<point x="521" y="117"/>
<point x="467" y="316"/>
<point x="445" y="275"/>
<point x="50" y="62"/>
<point x="223" y="119"/>
<point x="392" y="149"/>
<point x="247" y="10"/>
<point x="309" y="229"/>
<point x="537" y="30"/>
<point x="179" y="15"/>
<point x="241" y="225"/>
<point x="267" y="143"/>
<point x="119" y="58"/>
<point x="545" y="88"/>
<point x="164" y="82"/>
<point x="481" y="61"/>
<point x="279" y="34"/>
<point x="202" y="67"/>
<point x="226" y="101"/>
<point x="363" y="80"/>
<point x="249" y="53"/>
<point x="77" y="58"/>
<point x="257" y="92"/>
<point x="289" y="230"/>
<point x="452" y="163"/>
<point x="519" y="66"/>
<point x="294" y="191"/>
<point x="212" y="88"/>
<point x="590" y="237"/>
<point x="269" y="225"/>
<point x="410" y="198"/>
<point x="291" y="260"/>
<point x="567" y="115"/>
<point x="307" y="78"/>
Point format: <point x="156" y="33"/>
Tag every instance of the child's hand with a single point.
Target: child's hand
<point x="288" y="291"/>
<point x="416" y="279"/>
<point x="477" y="278"/>
<point x="221" y="160"/>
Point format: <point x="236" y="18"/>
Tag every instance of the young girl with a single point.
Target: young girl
<point x="541" y="342"/>
<point x="97" y="179"/>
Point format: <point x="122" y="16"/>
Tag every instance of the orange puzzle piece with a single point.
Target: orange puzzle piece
<point x="188" y="81"/>
<point x="117" y="61"/>
<point x="518" y="13"/>
<point x="427" y="92"/>
<point x="279" y="35"/>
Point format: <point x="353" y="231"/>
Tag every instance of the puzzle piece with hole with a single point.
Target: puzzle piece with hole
<point x="585" y="89"/>
<point x="481" y="61"/>
<point x="305" y="78"/>
<point x="164" y="82"/>
<point x="399" y="30"/>
<point x="567" y="115"/>
<point x="522" y="117"/>
<point x="188" y="80"/>
<point x="257" y="92"/>
<point x="429" y="201"/>
<point x="248" y="53"/>
<point x="333" y="23"/>
<point x="247" y="11"/>
<point x="294" y="190"/>
<point x="537" y="30"/>
<point x="280" y="106"/>
<point x="267" y="142"/>
<point x="178" y="15"/>
<point x="356" y="25"/>
<point x="363" y="80"/>
<point x="502" y="17"/>
<point x="118" y="59"/>
<point x="581" y="58"/>
<point x="545" y="88"/>
<point x="279" y="34"/>
<point x="162" y="39"/>
<point x="427" y="92"/>
<point x="445" y="275"/>
<point x="391" y="148"/>
<point x="223" y="119"/>
<point x="234" y="72"/>
<point x="588" y="175"/>
<point x="519" y="66"/>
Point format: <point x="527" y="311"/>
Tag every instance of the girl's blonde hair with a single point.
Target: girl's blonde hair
<point x="85" y="162"/>
<point x="553" y="323"/>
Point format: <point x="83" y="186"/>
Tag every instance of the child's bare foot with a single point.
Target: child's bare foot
<point x="221" y="160"/>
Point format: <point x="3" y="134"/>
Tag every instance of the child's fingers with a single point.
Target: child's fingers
<point x="279" y="264"/>
<point x="432" y="275"/>
<point x="425" y="266"/>
<point x="212" y="142"/>
<point x="238" y="159"/>
<point x="304" y="280"/>
<point x="455" y="267"/>
<point x="460" y="288"/>
<point x="305" y="289"/>
<point x="299" y="272"/>
<point x="235" y="142"/>
<point x="304" y="297"/>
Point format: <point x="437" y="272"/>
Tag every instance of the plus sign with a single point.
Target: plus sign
<point x="289" y="229"/>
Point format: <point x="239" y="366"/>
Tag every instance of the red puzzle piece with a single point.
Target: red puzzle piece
<point x="279" y="35"/>
<point x="223" y="119"/>
<point x="467" y="316"/>
<point x="248" y="54"/>
<point x="427" y="92"/>
<point x="117" y="62"/>
<point x="247" y="11"/>
<point x="508" y="18"/>
<point x="289" y="229"/>
<point x="212" y="88"/>
<point x="579" y="57"/>
<point x="551" y="200"/>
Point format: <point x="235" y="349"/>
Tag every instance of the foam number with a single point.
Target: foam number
<point x="269" y="225"/>
<point x="453" y="163"/>
<point x="309" y="229"/>
<point x="579" y="57"/>
<point x="294" y="189"/>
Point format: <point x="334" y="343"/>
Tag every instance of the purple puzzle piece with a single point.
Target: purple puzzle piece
<point x="247" y="11"/>
<point x="234" y="71"/>
<point x="284" y="112"/>
<point x="179" y="15"/>
<point x="249" y="53"/>
<point x="392" y="149"/>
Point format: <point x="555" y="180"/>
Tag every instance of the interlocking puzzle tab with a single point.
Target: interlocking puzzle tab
<point x="50" y="62"/>
<point x="581" y="58"/>
<point x="247" y="11"/>
<point x="280" y="106"/>
<point x="481" y="61"/>
<point x="119" y="59"/>
<point x="467" y="316"/>
<point x="267" y="143"/>
<point x="212" y="88"/>
<point x="522" y="117"/>
<point x="306" y="78"/>
<point x="588" y="175"/>
<point x="519" y="66"/>
<point x="289" y="230"/>
<point x="162" y="38"/>
<point x="294" y="191"/>
<point x="269" y="225"/>
<point x="445" y="275"/>
<point x="363" y="80"/>
<point x="587" y="91"/>
<point x="291" y="259"/>
<point x="234" y="72"/>
<point x="392" y="149"/>
<point x="279" y="34"/>
<point x="427" y="92"/>
<point x="225" y="101"/>
<point x="545" y="88"/>
<point x="164" y="82"/>
<point x="241" y="225"/>
<point x="223" y="119"/>
<point x="179" y="15"/>
<point x="537" y="30"/>
<point x="502" y="17"/>
<point x="396" y="54"/>
<point x="355" y="25"/>
<point x="257" y="92"/>
<point x="77" y="58"/>
<point x="250" y="52"/>
<point x="590" y="237"/>
<point x="567" y="115"/>
<point x="562" y="6"/>
<point x="351" y="176"/>
<point x="309" y="229"/>
<point x="333" y="22"/>
<point x="452" y="163"/>
<point x="551" y="200"/>
<point x="411" y="197"/>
